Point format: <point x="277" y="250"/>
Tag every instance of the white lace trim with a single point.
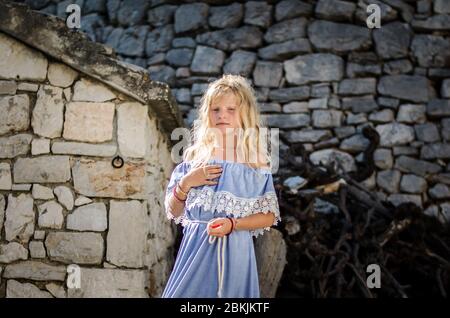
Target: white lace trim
<point x="224" y="201"/>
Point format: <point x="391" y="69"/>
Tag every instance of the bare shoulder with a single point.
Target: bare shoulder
<point x="262" y="163"/>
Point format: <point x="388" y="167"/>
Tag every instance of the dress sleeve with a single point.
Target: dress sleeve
<point x="268" y="203"/>
<point x="177" y="174"/>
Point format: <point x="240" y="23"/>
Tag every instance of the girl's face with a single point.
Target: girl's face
<point x="224" y="113"/>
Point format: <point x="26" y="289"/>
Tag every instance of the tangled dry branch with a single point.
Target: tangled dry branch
<point x="329" y="254"/>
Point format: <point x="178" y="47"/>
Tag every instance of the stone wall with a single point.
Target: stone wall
<point x="61" y="200"/>
<point x="320" y="73"/>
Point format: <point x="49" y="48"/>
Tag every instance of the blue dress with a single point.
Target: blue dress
<point x="208" y="266"/>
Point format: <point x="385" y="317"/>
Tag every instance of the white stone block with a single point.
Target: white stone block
<point x="5" y="176"/>
<point x="37" y="249"/>
<point x="12" y="252"/>
<point x="127" y="233"/>
<point x="35" y="270"/>
<point x="42" y="193"/>
<point x="19" y="223"/>
<point x="90" y="122"/>
<point x="21" y="187"/>
<point x="50" y="215"/>
<point x="40" y="146"/>
<point x="47" y="119"/>
<point x="39" y="235"/>
<point x="65" y="196"/>
<point x="82" y="200"/>
<point x="85" y="149"/>
<point x="61" y="75"/>
<point x="111" y="283"/>
<point x="19" y="61"/>
<point x="15" y="289"/>
<point x="15" y="145"/>
<point x="44" y="169"/>
<point x="91" y="217"/>
<point x="131" y="129"/>
<point x="96" y="178"/>
<point x="74" y="247"/>
<point x="29" y="87"/>
<point x="87" y="90"/>
<point x="8" y="87"/>
<point x="14" y="112"/>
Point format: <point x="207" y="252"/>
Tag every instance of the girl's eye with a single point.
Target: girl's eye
<point x="215" y="110"/>
<point x="231" y="109"/>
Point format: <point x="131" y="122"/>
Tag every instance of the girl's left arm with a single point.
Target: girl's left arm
<point x="255" y="221"/>
<point x="221" y="226"/>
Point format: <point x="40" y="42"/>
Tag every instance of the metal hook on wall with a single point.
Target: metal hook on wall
<point x="117" y="162"/>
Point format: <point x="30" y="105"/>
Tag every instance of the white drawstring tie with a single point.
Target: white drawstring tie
<point x="221" y="244"/>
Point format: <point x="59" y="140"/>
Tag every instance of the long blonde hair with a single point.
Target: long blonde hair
<point x="249" y="147"/>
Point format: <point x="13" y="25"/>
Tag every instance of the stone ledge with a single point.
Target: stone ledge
<point x="50" y="35"/>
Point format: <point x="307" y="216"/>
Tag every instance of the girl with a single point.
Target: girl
<point x="223" y="194"/>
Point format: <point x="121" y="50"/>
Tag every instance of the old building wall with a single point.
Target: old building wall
<point x="61" y="200"/>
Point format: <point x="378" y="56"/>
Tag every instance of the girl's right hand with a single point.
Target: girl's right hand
<point x="201" y="176"/>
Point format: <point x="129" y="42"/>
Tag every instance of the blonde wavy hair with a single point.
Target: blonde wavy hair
<point x="250" y="147"/>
